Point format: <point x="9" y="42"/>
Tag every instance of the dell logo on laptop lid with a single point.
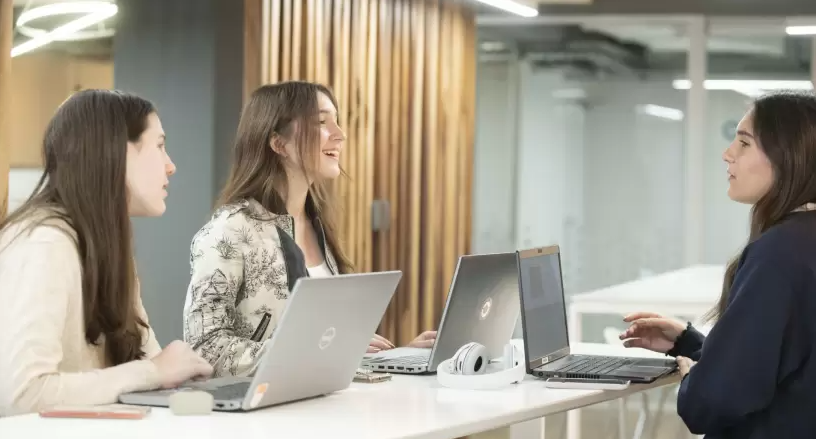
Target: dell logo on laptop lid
<point x="326" y="338"/>
<point x="485" y="309"/>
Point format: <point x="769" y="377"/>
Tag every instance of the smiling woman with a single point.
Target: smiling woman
<point x="274" y="223"/>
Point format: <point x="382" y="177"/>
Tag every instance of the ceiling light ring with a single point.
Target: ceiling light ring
<point x="66" y="8"/>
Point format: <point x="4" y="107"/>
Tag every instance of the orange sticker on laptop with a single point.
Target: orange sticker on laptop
<point x="259" y="394"/>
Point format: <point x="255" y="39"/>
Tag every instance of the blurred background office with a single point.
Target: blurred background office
<point x="474" y="126"/>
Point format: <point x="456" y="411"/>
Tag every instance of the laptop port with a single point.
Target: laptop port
<point x="390" y="367"/>
<point x="400" y="368"/>
<point x="409" y="369"/>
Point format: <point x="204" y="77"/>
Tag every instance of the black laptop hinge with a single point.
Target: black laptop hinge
<point x="261" y="330"/>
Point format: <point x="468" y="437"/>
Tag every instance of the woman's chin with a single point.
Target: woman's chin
<point x="155" y="209"/>
<point x="330" y="173"/>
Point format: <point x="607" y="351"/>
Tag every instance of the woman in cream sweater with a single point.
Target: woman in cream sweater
<point x="74" y="331"/>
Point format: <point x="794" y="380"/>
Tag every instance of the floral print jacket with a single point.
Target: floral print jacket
<point x="243" y="266"/>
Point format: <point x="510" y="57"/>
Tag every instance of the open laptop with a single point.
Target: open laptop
<point x="482" y="307"/>
<point x="315" y="349"/>
<point x="544" y="325"/>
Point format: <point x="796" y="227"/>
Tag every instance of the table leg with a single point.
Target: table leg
<point x="534" y="429"/>
<point x="575" y="329"/>
<point x="621" y="418"/>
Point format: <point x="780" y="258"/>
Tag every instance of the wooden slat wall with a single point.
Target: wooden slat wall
<point x="253" y="36"/>
<point x="404" y="75"/>
<point x="6" y="26"/>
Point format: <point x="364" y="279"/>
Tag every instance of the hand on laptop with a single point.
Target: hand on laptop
<point x="424" y="340"/>
<point x="178" y="363"/>
<point x="378" y="344"/>
<point x="651" y="331"/>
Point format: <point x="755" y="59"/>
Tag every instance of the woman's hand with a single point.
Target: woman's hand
<point x="685" y="365"/>
<point x="424" y="340"/>
<point x="378" y="344"/>
<point x="651" y="331"/>
<point x="178" y="363"/>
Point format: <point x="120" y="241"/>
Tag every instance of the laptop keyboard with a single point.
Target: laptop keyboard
<point x="412" y="360"/>
<point x="593" y="365"/>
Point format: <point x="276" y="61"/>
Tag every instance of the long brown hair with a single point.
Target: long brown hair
<point x="784" y="125"/>
<point x="288" y="110"/>
<point x="83" y="184"/>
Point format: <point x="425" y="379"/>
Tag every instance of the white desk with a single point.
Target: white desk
<point x="688" y="292"/>
<point x="406" y="407"/>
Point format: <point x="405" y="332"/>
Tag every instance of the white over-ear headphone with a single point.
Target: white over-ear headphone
<point x="468" y="368"/>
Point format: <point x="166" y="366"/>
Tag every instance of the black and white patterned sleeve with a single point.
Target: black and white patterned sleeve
<point x="211" y="324"/>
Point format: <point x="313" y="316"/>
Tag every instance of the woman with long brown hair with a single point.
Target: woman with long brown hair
<point x="274" y="223"/>
<point x="754" y="375"/>
<point x="72" y="327"/>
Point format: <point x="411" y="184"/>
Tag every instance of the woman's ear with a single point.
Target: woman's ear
<point x="278" y="144"/>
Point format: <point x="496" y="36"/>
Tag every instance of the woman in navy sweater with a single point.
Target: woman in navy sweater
<point x="754" y="376"/>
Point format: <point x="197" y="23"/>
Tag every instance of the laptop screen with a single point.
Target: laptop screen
<point x="543" y="306"/>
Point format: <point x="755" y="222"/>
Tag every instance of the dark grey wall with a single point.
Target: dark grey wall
<point x="707" y="7"/>
<point x="187" y="57"/>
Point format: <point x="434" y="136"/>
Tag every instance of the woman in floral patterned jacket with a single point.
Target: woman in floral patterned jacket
<point x="274" y="223"/>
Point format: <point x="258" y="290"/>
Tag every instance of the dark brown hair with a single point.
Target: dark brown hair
<point x="288" y="110"/>
<point x="84" y="153"/>
<point x="784" y="125"/>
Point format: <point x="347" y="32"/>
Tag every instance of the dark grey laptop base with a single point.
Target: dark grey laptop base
<point x="546" y="335"/>
<point x="636" y="370"/>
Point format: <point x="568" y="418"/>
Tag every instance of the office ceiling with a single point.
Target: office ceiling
<point x="624" y="49"/>
<point x="757" y="8"/>
<point x="644" y="47"/>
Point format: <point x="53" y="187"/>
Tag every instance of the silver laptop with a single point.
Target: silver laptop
<point x="546" y="338"/>
<point x="315" y="349"/>
<point x="482" y="306"/>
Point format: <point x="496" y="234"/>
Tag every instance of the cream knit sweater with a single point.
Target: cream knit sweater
<point x="44" y="358"/>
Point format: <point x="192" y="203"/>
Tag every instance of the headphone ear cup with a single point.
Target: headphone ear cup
<point x="458" y="359"/>
<point x="470" y="359"/>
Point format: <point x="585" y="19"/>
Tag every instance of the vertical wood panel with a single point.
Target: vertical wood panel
<point x="311" y="23"/>
<point x="6" y="27"/>
<point x="371" y="114"/>
<point x="256" y="51"/>
<point x="433" y="153"/>
<point x="383" y="248"/>
<point x="286" y="39"/>
<point x="275" y="41"/>
<point x="410" y="321"/>
<point x="297" y="38"/>
<point x="403" y="72"/>
<point x="402" y="209"/>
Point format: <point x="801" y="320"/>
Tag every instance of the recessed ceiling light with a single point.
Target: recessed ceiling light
<point x="512" y="7"/>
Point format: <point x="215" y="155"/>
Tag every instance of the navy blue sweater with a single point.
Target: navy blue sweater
<point x="756" y="376"/>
